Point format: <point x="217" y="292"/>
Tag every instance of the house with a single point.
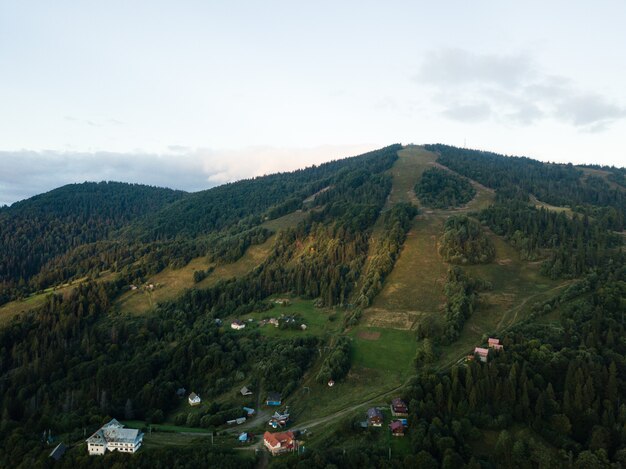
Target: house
<point x="482" y="354"/>
<point x="375" y="417"/>
<point x="399" y="408"/>
<point x="238" y="325"/>
<point x="113" y="436"/>
<point x="244" y="438"/>
<point x="303" y="327"/>
<point x="331" y="383"/>
<point x="397" y="428"/>
<point x="245" y="391"/>
<point x="273" y="399"/>
<point x="250" y="412"/>
<point x="194" y="399"/>
<point x="279" y="419"/>
<point x="274" y="322"/>
<point x="279" y="443"/>
<point x="495" y="344"/>
<point x="58" y="452"/>
<point x="218" y="322"/>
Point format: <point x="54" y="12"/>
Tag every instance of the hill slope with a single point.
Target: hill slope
<point x="337" y="273"/>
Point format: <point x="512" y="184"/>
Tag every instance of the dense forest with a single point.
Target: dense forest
<point x="385" y="250"/>
<point x="556" y="184"/>
<point x="438" y="188"/>
<point x="464" y="241"/>
<point x="35" y="231"/>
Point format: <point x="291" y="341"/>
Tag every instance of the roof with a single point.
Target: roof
<point x="193" y="396"/>
<point x="483" y="352"/>
<point x="374" y="412"/>
<point x="493" y="341"/>
<point x="397" y="402"/>
<point x="396" y="425"/>
<point x="58" y="451"/>
<point x="245" y="391"/>
<point x="274" y="396"/>
<point x="114" y="432"/>
<point x="275" y="439"/>
<point x="237" y="322"/>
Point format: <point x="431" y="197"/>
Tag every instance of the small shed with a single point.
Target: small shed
<point x="245" y="391"/>
<point x="274" y="399"/>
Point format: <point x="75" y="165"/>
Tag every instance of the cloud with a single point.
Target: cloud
<point x="25" y="173"/>
<point x="473" y="87"/>
<point x="458" y="67"/>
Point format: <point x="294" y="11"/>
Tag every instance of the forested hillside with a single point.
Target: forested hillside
<point x="540" y="266"/>
<point x="35" y="231"/>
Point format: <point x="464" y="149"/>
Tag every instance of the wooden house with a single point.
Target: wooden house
<point x="375" y="417"/>
<point x="399" y="408"/>
<point x="397" y="428"/>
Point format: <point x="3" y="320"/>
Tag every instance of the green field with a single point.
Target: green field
<point x="416" y="282"/>
<point x="319" y="321"/>
<point x="387" y="350"/>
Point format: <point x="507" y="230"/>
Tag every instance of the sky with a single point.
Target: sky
<point x="191" y="94"/>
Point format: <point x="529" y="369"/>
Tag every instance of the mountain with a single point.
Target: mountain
<point x="379" y="273"/>
<point x="35" y="231"/>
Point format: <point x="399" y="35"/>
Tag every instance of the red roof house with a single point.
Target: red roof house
<point x="495" y="344"/>
<point x="397" y="428"/>
<point x="482" y="353"/>
<point x="278" y="443"/>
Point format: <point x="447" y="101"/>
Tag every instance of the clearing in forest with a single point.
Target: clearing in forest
<point x="169" y="283"/>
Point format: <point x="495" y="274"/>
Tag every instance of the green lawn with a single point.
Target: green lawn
<point x="319" y="321"/>
<point x="388" y="350"/>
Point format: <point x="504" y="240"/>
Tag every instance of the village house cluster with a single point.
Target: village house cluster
<point x="399" y="415"/>
<point x="289" y="321"/>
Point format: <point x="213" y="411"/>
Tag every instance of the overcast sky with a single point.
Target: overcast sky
<point x="189" y="94"/>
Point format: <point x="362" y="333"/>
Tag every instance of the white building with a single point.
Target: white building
<point x="194" y="399"/>
<point x="238" y="325"/>
<point x="113" y="436"/>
